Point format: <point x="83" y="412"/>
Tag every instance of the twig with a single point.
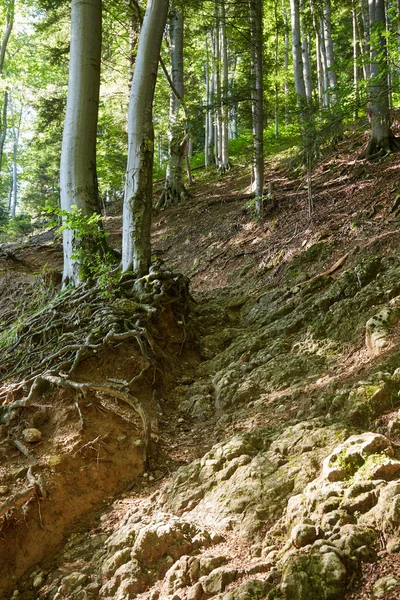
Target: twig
<point x="24" y="450"/>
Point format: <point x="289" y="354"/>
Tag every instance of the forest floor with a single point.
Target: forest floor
<point x="90" y="455"/>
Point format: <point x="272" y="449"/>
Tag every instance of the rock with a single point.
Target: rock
<point x="304" y="577"/>
<point x="393" y="546"/>
<point x="167" y="536"/>
<point x="209" y="563"/>
<point x="251" y="590"/>
<point x="303" y="534"/>
<point x="38" y="580"/>
<point x="384" y="585"/>
<point x="112" y="563"/>
<point x="54" y="460"/>
<point x="32" y="435"/>
<point x="195" y="592"/>
<point x="362" y="503"/>
<point x="377" y="327"/>
<point x="349" y="456"/>
<point x="245" y="483"/>
<point x="355" y="536"/>
<point x="385" y="469"/>
<point x="4" y="489"/>
<point x="217" y="580"/>
<point x="70" y="583"/>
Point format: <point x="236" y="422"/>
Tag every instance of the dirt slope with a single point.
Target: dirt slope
<point x="274" y="469"/>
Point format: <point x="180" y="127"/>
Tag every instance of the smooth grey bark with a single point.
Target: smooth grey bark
<point x="257" y="100"/>
<point x="217" y="86"/>
<point x="382" y="139"/>
<point x="305" y="53"/>
<point x="3" y="48"/>
<point x="297" y="57"/>
<point x="174" y="189"/>
<point x="7" y="33"/>
<point x="330" y="58"/>
<point x="209" y="137"/>
<point x="366" y="35"/>
<point x="285" y="56"/>
<point x="276" y="69"/>
<point x="319" y="54"/>
<point x="398" y="28"/>
<point x="16" y="127"/>
<point x="324" y="62"/>
<point x="355" y="63"/>
<point x="78" y="176"/>
<point x="224" y="163"/>
<point x="3" y="126"/>
<point x="137" y="208"/>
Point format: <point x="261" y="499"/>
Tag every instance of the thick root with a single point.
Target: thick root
<point x="379" y="148"/>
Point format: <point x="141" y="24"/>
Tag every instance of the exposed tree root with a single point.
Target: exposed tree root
<point x="172" y="194"/>
<point x="380" y="147"/>
<point x="127" y="398"/>
<point x="48" y="347"/>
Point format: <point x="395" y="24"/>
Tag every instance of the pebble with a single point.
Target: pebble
<point x="32" y="435"/>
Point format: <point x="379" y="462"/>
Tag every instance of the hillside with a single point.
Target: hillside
<point x="270" y="394"/>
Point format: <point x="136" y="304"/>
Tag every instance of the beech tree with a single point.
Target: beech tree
<point x="137" y="207"/>
<point x="78" y="176"/>
<point x="174" y="190"/>
<point x="10" y="9"/>
<point x="257" y="96"/>
<point x="382" y="139"/>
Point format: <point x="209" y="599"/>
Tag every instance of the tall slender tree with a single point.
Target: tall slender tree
<point x="137" y="208"/>
<point x="257" y="96"/>
<point x="382" y="139"/>
<point x="78" y="176"/>
<point x="174" y="190"/>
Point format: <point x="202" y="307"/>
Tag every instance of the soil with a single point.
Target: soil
<point x="90" y="459"/>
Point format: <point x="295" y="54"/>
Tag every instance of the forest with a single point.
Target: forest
<point x="199" y="299"/>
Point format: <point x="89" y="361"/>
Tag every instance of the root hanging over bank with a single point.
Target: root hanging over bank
<point x="46" y="348"/>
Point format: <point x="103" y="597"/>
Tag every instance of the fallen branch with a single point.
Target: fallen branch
<point x="329" y="271"/>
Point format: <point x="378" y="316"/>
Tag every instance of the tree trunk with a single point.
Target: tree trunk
<point x="324" y="62"/>
<point x="7" y="33"/>
<point x="78" y="176"/>
<point x="306" y="55"/>
<point x="15" y="130"/>
<point x="209" y="141"/>
<point x="318" y="53"/>
<point x="224" y="164"/>
<point x="366" y="32"/>
<point x="330" y="59"/>
<point x="174" y="190"/>
<point x="3" y="48"/>
<point x="3" y="127"/>
<point x="355" y="63"/>
<point x="382" y="139"/>
<point x="257" y="97"/>
<point x="217" y="84"/>
<point x="297" y="57"/>
<point x="285" y="57"/>
<point x="136" y="253"/>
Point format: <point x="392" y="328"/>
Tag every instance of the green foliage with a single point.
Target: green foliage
<point x="18" y="226"/>
<point x="95" y="259"/>
<point x="4" y="214"/>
